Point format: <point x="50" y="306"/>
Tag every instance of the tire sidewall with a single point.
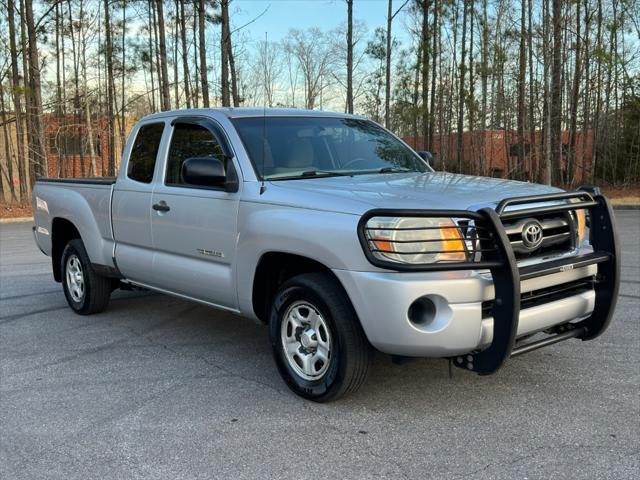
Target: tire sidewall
<point x="75" y="247"/>
<point x="311" y="389"/>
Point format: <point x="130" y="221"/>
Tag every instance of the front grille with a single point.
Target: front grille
<point x="546" y="295"/>
<point x="557" y="236"/>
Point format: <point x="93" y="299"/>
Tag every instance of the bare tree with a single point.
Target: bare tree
<point x="314" y="53"/>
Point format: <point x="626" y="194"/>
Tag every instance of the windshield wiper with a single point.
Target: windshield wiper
<point x="313" y="173"/>
<point x="394" y="170"/>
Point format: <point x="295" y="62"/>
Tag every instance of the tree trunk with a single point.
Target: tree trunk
<point x="8" y="153"/>
<point x="596" y="119"/>
<point x="156" y="49"/>
<point x="235" y="94"/>
<point x="533" y="164"/>
<point x="387" y="73"/>
<point x="30" y="157"/>
<point x="575" y="98"/>
<point x="87" y="111"/>
<point x="123" y="110"/>
<point x="350" y="58"/>
<point x="17" y="102"/>
<point x="545" y="173"/>
<point x="185" y="60"/>
<point x="461" y="91"/>
<point x="203" y="54"/>
<point x="39" y="140"/>
<point x="111" y="167"/>
<point x="556" y="95"/>
<point x="176" y="81"/>
<point x="434" y="65"/>
<point x="484" y="61"/>
<point x="521" y="92"/>
<point x="224" y="54"/>
<point x="151" y="56"/>
<point x="166" y="99"/>
<point x="424" y="41"/>
<point x="587" y="90"/>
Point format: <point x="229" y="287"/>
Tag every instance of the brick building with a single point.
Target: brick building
<point x="69" y="149"/>
<point x="500" y="152"/>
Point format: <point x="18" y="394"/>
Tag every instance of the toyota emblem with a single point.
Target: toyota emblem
<point x="532" y="235"/>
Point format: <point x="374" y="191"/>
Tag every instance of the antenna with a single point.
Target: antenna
<point x="264" y="118"/>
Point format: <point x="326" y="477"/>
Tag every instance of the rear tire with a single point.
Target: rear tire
<point x="318" y="343"/>
<point x="85" y="290"/>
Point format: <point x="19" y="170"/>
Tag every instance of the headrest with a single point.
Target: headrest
<point x="300" y="153"/>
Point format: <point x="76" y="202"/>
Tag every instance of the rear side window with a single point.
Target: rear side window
<point x="189" y="141"/>
<point x="144" y="152"/>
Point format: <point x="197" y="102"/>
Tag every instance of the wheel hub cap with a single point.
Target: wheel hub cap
<point x="306" y="340"/>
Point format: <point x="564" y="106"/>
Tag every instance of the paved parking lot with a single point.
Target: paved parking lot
<point x="157" y="387"/>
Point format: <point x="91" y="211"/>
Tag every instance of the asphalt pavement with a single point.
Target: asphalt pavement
<point x="157" y="387"/>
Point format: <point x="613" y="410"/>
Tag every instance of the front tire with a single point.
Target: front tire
<point x="85" y="290"/>
<point x="318" y="344"/>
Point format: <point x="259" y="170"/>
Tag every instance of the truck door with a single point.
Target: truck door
<point x="131" y="204"/>
<point x="194" y="228"/>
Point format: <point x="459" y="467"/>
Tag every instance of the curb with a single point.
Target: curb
<point x="16" y="220"/>
<point x="626" y="207"/>
<point x="30" y="219"/>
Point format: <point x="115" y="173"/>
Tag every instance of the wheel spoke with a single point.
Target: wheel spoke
<point x="322" y="354"/>
<point x="293" y="347"/>
<point x="307" y="364"/>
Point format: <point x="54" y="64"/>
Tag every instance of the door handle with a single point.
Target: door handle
<point x="161" y="207"/>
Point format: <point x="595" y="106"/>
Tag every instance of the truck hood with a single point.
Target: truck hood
<point x="436" y="190"/>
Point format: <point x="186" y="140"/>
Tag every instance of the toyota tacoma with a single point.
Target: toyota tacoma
<point x="337" y="235"/>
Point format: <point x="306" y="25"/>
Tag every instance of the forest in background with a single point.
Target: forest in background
<point x="562" y="77"/>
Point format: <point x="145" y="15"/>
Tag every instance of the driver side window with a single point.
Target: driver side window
<point x="189" y="141"/>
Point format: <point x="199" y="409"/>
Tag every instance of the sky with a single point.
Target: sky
<point x="283" y="15"/>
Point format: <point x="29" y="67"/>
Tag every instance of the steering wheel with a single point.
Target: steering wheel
<point x="354" y="161"/>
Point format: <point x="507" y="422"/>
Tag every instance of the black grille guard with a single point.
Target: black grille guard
<point x="499" y="258"/>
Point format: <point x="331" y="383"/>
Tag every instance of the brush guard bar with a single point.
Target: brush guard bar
<point x="492" y="250"/>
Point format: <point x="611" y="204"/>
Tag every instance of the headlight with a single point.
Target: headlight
<point x="415" y="240"/>
<point x="582" y="229"/>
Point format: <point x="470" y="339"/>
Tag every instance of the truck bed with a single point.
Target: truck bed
<point x="85" y="181"/>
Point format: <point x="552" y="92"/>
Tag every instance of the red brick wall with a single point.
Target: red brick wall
<point x="497" y="145"/>
<point x="75" y="165"/>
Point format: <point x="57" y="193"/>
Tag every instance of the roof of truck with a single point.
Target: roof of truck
<point x="237" y="112"/>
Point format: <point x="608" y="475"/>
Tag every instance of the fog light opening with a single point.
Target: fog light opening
<point x="422" y="311"/>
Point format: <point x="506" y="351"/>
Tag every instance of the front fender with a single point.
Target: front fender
<point x="329" y="238"/>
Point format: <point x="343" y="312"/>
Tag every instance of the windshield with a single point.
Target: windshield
<point x="300" y="147"/>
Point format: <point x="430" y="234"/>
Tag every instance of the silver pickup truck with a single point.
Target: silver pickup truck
<point x="339" y="237"/>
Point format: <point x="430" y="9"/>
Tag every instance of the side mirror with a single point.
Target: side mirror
<point x="427" y="157"/>
<point x="204" y="171"/>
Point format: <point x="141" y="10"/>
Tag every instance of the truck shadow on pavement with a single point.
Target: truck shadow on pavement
<point x="240" y="347"/>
